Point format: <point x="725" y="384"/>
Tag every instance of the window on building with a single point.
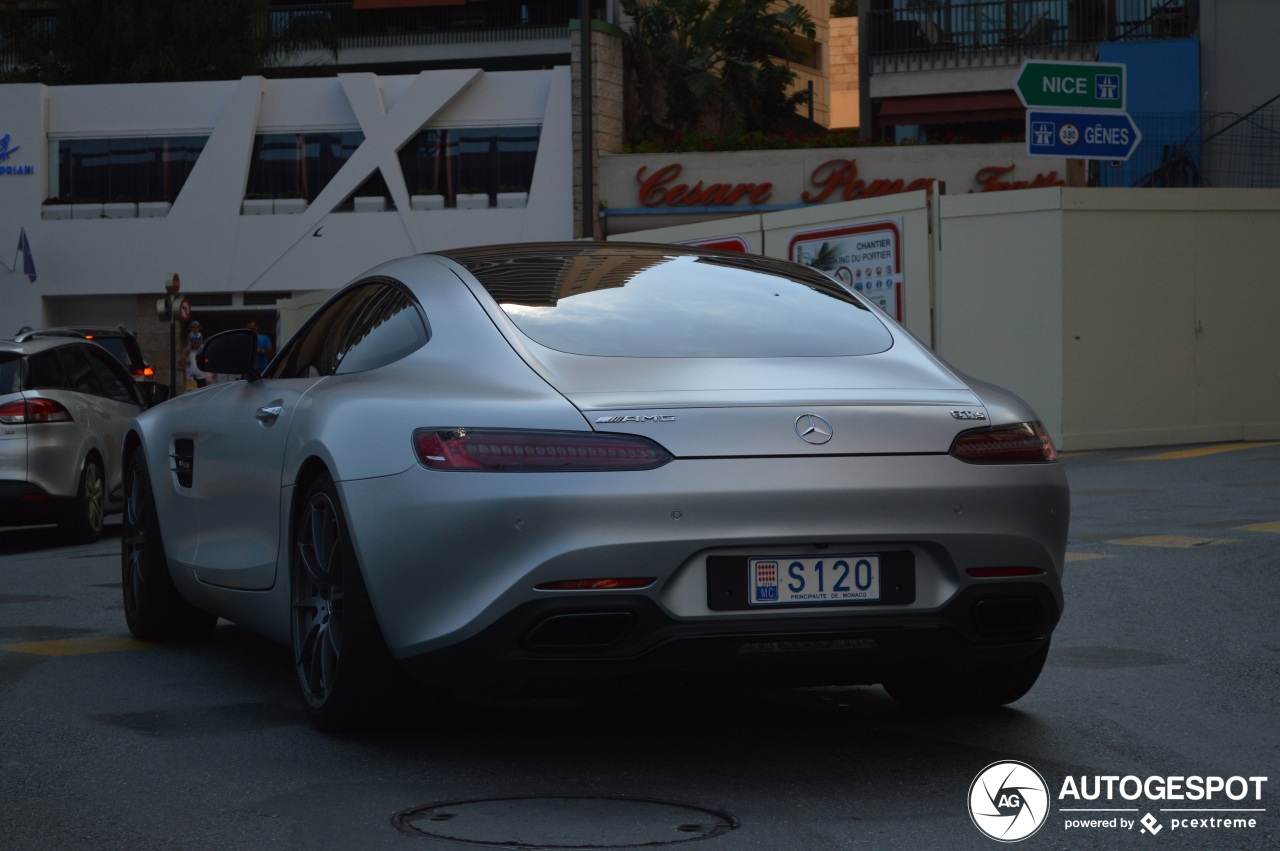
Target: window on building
<point x="472" y="160"/>
<point x="298" y="165"/>
<point x="122" y="169"/>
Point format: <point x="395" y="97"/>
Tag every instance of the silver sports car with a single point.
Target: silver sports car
<point x="547" y="463"/>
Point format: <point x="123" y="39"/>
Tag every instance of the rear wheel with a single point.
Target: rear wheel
<point x="988" y="687"/>
<point x="84" y="524"/>
<point x="343" y="666"/>
<point x="153" y="608"/>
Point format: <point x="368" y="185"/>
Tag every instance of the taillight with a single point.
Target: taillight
<point x="27" y="411"/>
<point x="1021" y="443"/>
<point x="145" y="372"/>
<point x="494" y="450"/>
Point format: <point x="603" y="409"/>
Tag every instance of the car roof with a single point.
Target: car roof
<point x="74" y="331"/>
<point x="31" y="345"/>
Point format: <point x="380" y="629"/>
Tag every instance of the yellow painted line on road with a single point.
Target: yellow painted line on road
<point x="1086" y="556"/>
<point x="1201" y="451"/>
<point x="78" y="646"/>
<point x="1180" y="542"/>
<point x="1262" y="527"/>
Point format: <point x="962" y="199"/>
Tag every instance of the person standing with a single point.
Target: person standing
<point x="195" y="338"/>
<point x="265" y="349"/>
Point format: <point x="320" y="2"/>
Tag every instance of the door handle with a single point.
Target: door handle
<point x="268" y="414"/>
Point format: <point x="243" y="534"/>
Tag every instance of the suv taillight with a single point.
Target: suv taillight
<point x="1015" y="444"/>
<point x="495" y="450"/>
<point x="28" y="411"/>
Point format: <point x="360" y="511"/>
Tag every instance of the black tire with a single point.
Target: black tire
<point x="84" y="524"/>
<point x="153" y="608"/>
<point x="985" y="688"/>
<point x="344" y="669"/>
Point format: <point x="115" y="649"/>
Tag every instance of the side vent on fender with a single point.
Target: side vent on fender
<point x="183" y="460"/>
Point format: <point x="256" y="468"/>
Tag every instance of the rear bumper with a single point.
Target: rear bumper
<point x="562" y="641"/>
<point x="27" y="504"/>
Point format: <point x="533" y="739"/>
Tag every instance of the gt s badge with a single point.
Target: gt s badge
<point x="647" y="418"/>
<point x="969" y="415"/>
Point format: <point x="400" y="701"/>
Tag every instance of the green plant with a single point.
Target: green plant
<point x="715" y="67"/>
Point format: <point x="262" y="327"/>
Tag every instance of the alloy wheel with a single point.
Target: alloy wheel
<point x="318" y="598"/>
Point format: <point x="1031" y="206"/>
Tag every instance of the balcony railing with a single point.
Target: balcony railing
<point x="459" y="23"/>
<point x="937" y="33"/>
<point x="318" y="26"/>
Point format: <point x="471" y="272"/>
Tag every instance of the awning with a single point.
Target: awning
<point x="952" y="109"/>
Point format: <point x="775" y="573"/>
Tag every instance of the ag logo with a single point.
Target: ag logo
<point x="1008" y="801"/>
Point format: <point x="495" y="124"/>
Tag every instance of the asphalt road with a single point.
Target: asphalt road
<point x="1164" y="666"/>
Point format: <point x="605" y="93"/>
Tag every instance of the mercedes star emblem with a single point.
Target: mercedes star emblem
<point x="813" y="429"/>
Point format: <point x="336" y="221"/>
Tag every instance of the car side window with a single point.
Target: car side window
<point x="80" y="374"/>
<point x="368" y="326"/>
<point x="111" y="376"/>
<point x="45" y="372"/>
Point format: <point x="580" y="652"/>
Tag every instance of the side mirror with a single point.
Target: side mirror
<point x="153" y="392"/>
<point x="229" y="353"/>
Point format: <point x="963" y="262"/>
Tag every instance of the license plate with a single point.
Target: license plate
<point x="805" y="579"/>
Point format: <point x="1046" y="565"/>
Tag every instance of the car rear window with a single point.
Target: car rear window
<point x="672" y="305"/>
<point x="117" y="347"/>
<point x="10" y="372"/>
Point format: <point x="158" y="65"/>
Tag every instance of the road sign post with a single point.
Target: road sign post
<point x="1081" y="135"/>
<point x="1077" y="110"/>
<point x="1072" y="85"/>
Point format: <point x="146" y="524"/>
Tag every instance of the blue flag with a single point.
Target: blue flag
<point x="28" y="263"/>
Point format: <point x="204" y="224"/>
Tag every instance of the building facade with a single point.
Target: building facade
<point x="256" y="188"/>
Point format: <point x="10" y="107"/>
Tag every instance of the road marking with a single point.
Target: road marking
<point x="1086" y="556"/>
<point x="1201" y="451"/>
<point x="1181" y="542"/>
<point x="79" y="646"/>
<point x="1262" y="527"/>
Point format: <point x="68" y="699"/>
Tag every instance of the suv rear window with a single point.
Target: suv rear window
<point x="117" y="347"/>
<point x="673" y="305"/>
<point x="10" y="372"/>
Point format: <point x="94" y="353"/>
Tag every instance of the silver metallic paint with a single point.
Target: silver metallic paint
<point x="445" y="554"/>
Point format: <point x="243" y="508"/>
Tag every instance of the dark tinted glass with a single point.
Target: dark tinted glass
<point x="298" y="165"/>
<point x="651" y="305"/>
<point x="131" y="169"/>
<point x="365" y="328"/>
<point x="119" y="348"/>
<point x="45" y="372"/>
<point x="485" y="160"/>
<point x="10" y="373"/>
<point x="115" y="382"/>
<point x="80" y="373"/>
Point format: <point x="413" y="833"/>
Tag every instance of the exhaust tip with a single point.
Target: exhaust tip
<point x="580" y="631"/>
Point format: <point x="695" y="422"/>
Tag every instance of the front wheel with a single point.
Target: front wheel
<point x="987" y="687"/>
<point x="342" y="663"/>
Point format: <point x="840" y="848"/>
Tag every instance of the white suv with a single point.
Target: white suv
<point x="64" y="406"/>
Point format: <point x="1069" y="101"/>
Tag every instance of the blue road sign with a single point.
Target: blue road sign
<point x="1081" y="135"/>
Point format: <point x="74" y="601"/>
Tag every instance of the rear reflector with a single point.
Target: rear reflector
<point x="495" y="450"/>
<point x="1021" y="443"/>
<point x="1000" y="572"/>
<point x="596" y="584"/>
<point x="29" y="411"/>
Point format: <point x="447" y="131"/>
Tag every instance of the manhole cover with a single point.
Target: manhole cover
<point x="565" y="822"/>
